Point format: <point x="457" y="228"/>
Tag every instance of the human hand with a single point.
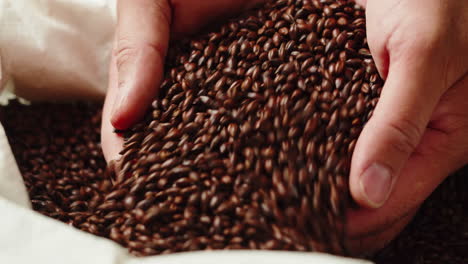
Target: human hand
<point x="141" y="41"/>
<point x="419" y="130"/>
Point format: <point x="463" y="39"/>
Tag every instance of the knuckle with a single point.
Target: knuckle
<point x="403" y="42"/>
<point x="128" y="50"/>
<point x="405" y="135"/>
<point x="124" y="52"/>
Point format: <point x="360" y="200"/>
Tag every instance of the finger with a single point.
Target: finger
<point x="142" y="40"/>
<point x="189" y="16"/>
<point x="111" y="143"/>
<point x="408" y="99"/>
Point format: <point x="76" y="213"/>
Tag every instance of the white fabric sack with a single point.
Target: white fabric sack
<point x="59" y="49"/>
<point x="56" y="49"/>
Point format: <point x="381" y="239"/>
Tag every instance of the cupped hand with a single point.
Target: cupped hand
<point x="418" y="134"/>
<point x="141" y="41"/>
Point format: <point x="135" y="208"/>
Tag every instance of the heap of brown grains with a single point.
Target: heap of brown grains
<point x="203" y="201"/>
<point x="55" y="143"/>
<point x="247" y="146"/>
<point x="249" y="143"/>
<point x="58" y="153"/>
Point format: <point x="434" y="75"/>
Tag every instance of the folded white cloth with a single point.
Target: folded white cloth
<point x="56" y="49"/>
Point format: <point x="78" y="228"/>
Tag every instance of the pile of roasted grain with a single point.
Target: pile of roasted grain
<point x="247" y="146"/>
<point x="249" y="143"/>
<point x="47" y="141"/>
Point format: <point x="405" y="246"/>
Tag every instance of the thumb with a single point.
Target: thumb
<point x="409" y="97"/>
<point x="141" y="42"/>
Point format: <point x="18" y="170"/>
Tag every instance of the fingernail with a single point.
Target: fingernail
<point x="376" y="184"/>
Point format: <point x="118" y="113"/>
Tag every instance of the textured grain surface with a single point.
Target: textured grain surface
<point x="438" y="234"/>
<point x="250" y="140"/>
<point x="247" y="146"/>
